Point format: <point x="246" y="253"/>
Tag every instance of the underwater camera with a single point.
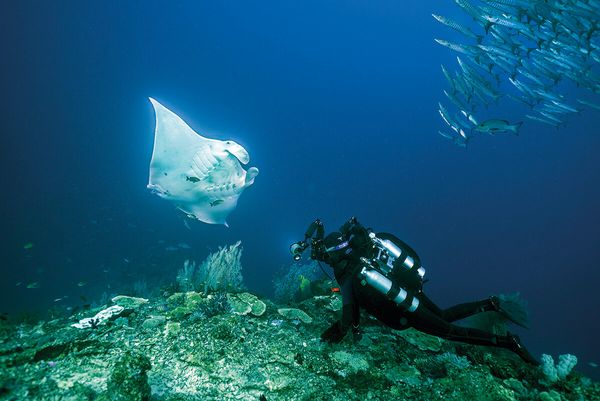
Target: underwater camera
<point x="297" y="248"/>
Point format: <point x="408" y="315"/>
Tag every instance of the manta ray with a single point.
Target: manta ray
<point x="203" y="177"/>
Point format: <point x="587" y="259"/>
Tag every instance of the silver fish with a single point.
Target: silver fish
<point x="542" y="120"/>
<point x="465" y="49"/>
<point x="448" y="78"/>
<point x="549" y="116"/>
<point x="458" y="27"/>
<point x="565" y="106"/>
<point x="459" y="141"/>
<point x="470" y="9"/>
<point x="590" y="104"/>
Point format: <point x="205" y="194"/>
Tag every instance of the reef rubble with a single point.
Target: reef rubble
<point x="194" y="346"/>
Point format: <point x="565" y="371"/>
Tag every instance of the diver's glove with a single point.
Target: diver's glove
<point x="334" y="334"/>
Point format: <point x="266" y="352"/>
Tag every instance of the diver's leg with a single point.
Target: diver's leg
<point x="455" y="312"/>
<point x="461" y="311"/>
<point x="425" y="301"/>
<point x="428" y="322"/>
<point x="509" y="309"/>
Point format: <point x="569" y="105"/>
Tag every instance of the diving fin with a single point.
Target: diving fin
<point x="512" y="307"/>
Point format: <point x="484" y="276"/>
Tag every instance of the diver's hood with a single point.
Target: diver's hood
<point x="335" y="243"/>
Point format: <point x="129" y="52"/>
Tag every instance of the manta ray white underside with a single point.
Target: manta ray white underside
<point x="203" y="177"/>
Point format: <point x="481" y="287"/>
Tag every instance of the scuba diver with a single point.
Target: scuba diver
<point x="383" y="275"/>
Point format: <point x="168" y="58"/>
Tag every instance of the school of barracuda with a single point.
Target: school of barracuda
<point x="527" y="51"/>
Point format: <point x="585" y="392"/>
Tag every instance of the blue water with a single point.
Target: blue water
<point x="336" y="102"/>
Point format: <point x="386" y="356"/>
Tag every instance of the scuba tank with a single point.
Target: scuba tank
<point x="394" y="270"/>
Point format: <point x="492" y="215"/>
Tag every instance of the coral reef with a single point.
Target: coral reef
<point x="220" y="271"/>
<point x="291" y="281"/>
<point x="554" y="373"/>
<point x="192" y="346"/>
<point x="185" y="276"/>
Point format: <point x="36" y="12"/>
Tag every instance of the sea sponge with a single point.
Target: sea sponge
<point x="553" y="373"/>
<point x="293" y="313"/>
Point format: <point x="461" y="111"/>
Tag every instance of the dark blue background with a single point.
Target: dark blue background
<point x="335" y="102"/>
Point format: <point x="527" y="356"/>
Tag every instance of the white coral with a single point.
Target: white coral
<point x="553" y="373"/>
<point x="185" y="276"/>
<point x="222" y="270"/>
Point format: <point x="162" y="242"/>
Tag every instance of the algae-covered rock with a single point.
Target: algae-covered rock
<point x="354" y="363"/>
<point x="293" y="313"/>
<point x="403" y="373"/>
<point x="129" y="380"/>
<point x="257" y="306"/>
<point x="172" y="329"/>
<point x="549" y="396"/>
<point x="129" y="302"/>
<point x="516" y="386"/>
<point x="153" y="322"/>
<point x="424" y="342"/>
<point x="179" y="313"/>
<point x="238" y="306"/>
<point x="245" y="303"/>
<point x="474" y="385"/>
<point x="192" y="299"/>
<point x="176" y="299"/>
<point x="335" y="304"/>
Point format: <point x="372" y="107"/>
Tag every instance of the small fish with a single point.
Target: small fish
<point x="216" y="202"/>
<point x="58" y="299"/>
<point x="458" y="27"/>
<point x="457" y="140"/>
<point x="18" y="284"/>
<point x="469" y="9"/>
<point x="35" y="284"/>
<point x="593" y="364"/>
<point x="465" y="49"/>
<point x="495" y="126"/>
<point x="81" y="283"/>
<point x="448" y="77"/>
<point x="541" y="120"/>
<point x="183" y="245"/>
<point x="590" y="104"/>
<point x="192" y="179"/>
<point x="171" y="248"/>
<point x="28" y="245"/>
<point x="126" y="260"/>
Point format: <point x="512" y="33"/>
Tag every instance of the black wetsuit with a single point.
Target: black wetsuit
<point x="428" y="317"/>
